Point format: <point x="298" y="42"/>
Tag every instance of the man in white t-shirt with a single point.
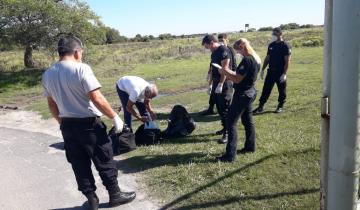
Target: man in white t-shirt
<point x="133" y="90"/>
<point x="75" y="101"/>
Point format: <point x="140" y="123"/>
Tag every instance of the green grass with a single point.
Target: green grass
<point x="181" y="173"/>
<point x="282" y="174"/>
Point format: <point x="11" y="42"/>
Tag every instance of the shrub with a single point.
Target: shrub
<point x="266" y="28"/>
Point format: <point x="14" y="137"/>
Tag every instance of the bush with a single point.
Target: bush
<point x="307" y="42"/>
<point x="165" y="36"/>
<point x="316" y="42"/>
<point x="308" y="26"/>
<point x="289" y="26"/>
<point x="266" y="28"/>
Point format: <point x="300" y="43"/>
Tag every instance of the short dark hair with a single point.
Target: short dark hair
<point x="222" y="36"/>
<point x="208" y="39"/>
<point x="277" y="30"/>
<point x="68" y="45"/>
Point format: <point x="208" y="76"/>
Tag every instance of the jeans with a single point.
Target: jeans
<point x="241" y="106"/>
<point x="124" y="98"/>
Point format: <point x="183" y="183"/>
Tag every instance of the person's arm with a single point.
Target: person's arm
<point x="53" y="109"/>
<point x="234" y="76"/>
<point x="225" y="65"/>
<point x="266" y="62"/>
<point x="150" y="109"/>
<point x="101" y="103"/>
<point x="287" y="63"/>
<point x="210" y="75"/>
<point x="231" y="75"/>
<point x="130" y="108"/>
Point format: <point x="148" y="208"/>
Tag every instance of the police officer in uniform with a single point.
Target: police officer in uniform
<point x="241" y="106"/>
<point x="218" y="83"/>
<point x="223" y="40"/>
<point x="278" y="58"/>
<point x="75" y="101"/>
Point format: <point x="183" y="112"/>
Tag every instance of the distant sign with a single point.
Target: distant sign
<point x="247" y="25"/>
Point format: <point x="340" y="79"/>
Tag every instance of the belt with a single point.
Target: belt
<point x="79" y="120"/>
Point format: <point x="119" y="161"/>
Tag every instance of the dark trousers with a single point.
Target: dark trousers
<point x="241" y="106"/>
<point x="212" y="100"/>
<point x="271" y="79"/>
<point x="85" y="142"/>
<point x="223" y="104"/>
<point x="124" y="98"/>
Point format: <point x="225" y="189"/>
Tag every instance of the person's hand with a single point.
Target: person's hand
<point x="209" y="90"/>
<point x="221" y="71"/>
<point x="283" y="78"/>
<point x="219" y="88"/>
<point x="118" y="124"/>
<point x="262" y="74"/>
<point x="153" y="116"/>
<point x="144" y="119"/>
<point x="208" y="77"/>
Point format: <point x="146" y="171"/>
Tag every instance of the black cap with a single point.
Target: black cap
<point x="277" y="30"/>
<point x="208" y="39"/>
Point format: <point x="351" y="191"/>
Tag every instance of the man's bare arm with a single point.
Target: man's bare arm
<point x="101" y="103"/>
<point x="53" y="109"/>
<point x="225" y="65"/>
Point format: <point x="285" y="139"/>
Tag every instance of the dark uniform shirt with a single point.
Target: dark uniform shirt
<point x="248" y="68"/>
<point x="233" y="63"/>
<point x="220" y="54"/>
<point x="277" y="52"/>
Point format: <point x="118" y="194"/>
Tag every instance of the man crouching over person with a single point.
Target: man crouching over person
<point x="133" y="90"/>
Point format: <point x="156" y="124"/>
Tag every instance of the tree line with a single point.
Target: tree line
<point x="38" y="24"/>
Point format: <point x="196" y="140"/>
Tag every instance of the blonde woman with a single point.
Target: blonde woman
<point x="245" y="93"/>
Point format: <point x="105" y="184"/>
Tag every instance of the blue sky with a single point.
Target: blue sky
<point x="153" y="17"/>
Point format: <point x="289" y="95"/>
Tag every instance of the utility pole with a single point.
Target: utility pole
<point x="343" y="163"/>
<point x="325" y="111"/>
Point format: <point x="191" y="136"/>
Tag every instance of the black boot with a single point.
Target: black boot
<point x="225" y="159"/>
<point x="93" y="201"/>
<point x="118" y="198"/>
<point x="245" y="150"/>
<point x="279" y="108"/>
<point x="224" y="139"/>
<point x="259" y="109"/>
<point x="220" y="132"/>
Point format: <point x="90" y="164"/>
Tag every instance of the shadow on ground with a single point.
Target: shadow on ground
<point x="191" y="139"/>
<point x="85" y="206"/>
<point x="196" y="116"/>
<point x="59" y="146"/>
<point x="142" y="163"/>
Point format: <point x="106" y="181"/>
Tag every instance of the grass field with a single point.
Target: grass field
<point x="181" y="173"/>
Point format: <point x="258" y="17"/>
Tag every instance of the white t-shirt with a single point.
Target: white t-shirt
<point x="134" y="86"/>
<point x="68" y="84"/>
